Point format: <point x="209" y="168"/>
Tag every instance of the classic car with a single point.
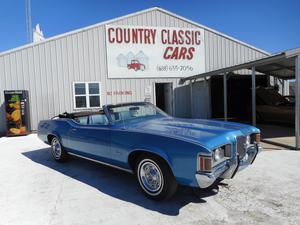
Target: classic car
<point x="274" y="107"/>
<point x="162" y="151"/>
<point x="136" y="65"/>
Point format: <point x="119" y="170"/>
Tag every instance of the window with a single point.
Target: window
<point x="82" y="120"/>
<point x="86" y="95"/>
<point x="98" y="119"/>
<point x="93" y="119"/>
<point x="134" y="111"/>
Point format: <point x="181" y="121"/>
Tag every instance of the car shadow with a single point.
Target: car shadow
<point x="117" y="183"/>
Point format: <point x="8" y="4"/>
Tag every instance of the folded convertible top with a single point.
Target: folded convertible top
<point x="78" y="114"/>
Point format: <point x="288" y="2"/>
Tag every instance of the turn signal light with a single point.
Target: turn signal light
<point x="205" y="163"/>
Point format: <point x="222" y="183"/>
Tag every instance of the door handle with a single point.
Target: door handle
<point x="73" y="129"/>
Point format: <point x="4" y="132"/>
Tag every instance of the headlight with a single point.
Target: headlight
<point x="218" y="154"/>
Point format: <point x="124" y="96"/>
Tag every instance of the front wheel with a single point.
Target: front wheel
<point x="57" y="150"/>
<point x="155" y="177"/>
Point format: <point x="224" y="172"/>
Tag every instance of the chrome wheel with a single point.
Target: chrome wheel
<point x="150" y="177"/>
<point x="56" y="148"/>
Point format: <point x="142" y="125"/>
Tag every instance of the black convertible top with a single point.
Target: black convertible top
<point x="78" y="114"/>
<point x="126" y="104"/>
<point x="75" y="115"/>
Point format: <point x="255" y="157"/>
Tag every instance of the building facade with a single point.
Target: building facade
<point x="131" y="58"/>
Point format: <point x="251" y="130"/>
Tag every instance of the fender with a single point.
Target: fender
<point x="56" y="134"/>
<point x="155" y="151"/>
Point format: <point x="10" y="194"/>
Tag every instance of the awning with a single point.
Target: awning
<point x="281" y="65"/>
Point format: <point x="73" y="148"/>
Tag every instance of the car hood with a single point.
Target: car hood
<point x="208" y="133"/>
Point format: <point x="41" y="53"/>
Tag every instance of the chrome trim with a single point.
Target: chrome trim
<point x="227" y="169"/>
<point x="214" y="163"/>
<point x="228" y="174"/>
<point x="205" y="179"/>
<point x="199" y="162"/>
<point x="56" y="148"/>
<point x="241" y="146"/>
<point x="210" y="154"/>
<point x="249" y="157"/>
<point x="222" y="145"/>
<point x="103" y="163"/>
<point x="151" y="181"/>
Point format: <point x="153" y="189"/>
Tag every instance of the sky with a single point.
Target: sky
<point x="273" y="26"/>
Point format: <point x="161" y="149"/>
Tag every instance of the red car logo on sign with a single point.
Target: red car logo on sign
<point x="136" y="65"/>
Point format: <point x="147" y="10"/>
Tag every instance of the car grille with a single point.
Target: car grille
<point x="241" y="146"/>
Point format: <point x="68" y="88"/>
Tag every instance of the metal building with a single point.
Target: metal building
<point x="52" y="69"/>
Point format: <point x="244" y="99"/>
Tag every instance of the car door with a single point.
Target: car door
<point x="89" y="136"/>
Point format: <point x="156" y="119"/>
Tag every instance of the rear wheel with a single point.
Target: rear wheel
<point x="57" y="150"/>
<point x="155" y="177"/>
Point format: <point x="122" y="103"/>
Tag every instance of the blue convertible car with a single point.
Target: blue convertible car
<point x="160" y="150"/>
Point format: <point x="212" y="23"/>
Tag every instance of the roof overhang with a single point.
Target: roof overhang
<point x="281" y="65"/>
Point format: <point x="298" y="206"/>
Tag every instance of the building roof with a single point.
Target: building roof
<point x="281" y="65"/>
<point x="131" y="15"/>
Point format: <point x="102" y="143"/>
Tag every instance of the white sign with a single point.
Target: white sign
<point x="139" y="52"/>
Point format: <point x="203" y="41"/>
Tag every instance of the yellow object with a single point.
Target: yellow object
<point x="14" y="130"/>
<point x="16" y="115"/>
<point x="15" y="105"/>
<point x="18" y="105"/>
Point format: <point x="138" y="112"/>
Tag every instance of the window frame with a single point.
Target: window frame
<point x="87" y="94"/>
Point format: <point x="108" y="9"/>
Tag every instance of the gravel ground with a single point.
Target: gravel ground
<point x="36" y="190"/>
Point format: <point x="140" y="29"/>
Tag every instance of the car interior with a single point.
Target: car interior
<point x="95" y="119"/>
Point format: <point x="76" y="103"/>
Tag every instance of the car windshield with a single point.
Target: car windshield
<point x="134" y="112"/>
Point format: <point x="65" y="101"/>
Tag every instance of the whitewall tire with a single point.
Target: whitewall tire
<point x="57" y="150"/>
<point x="155" y="177"/>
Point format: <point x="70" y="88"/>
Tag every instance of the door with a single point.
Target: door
<point x="90" y="139"/>
<point x="164" y="97"/>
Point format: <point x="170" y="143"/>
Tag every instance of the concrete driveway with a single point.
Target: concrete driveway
<point x="36" y="190"/>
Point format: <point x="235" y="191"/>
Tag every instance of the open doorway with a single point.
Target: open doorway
<point x="164" y="97"/>
<point x="275" y="112"/>
<point x="238" y="97"/>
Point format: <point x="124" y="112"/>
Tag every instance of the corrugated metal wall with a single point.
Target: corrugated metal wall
<point x="48" y="69"/>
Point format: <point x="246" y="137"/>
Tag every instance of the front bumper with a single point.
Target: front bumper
<point x="228" y="168"/>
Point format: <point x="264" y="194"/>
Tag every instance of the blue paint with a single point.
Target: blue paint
<point x="177" y="141"/>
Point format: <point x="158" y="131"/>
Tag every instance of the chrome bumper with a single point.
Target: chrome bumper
<point x="228" y="168"/>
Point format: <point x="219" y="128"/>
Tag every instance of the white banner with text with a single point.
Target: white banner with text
<point x="140" y="52"/>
